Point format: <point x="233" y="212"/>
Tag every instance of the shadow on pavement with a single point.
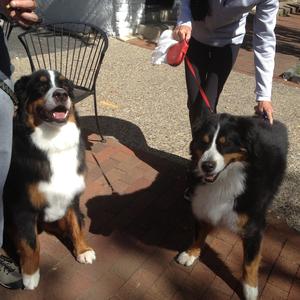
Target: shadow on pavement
<point x="156" y="216"/>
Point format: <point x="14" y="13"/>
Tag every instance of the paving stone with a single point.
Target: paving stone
<point x="136" y="235"/>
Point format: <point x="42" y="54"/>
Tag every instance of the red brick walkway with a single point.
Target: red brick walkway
<point x="138" y="229"/>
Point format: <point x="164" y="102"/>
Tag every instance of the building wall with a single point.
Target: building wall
<point x="116" y="17"/>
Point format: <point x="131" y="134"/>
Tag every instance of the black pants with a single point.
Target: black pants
<point x="212" y="66"/>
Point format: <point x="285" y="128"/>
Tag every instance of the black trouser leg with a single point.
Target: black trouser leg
<point x="212" y="66"/>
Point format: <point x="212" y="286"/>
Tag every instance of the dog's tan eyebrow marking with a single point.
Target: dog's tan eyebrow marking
<point x="222" y="140"/>
<point x="232" y="157"/>
<point x="205" y="138"/>
<point x="61" y="77"/>
<point x="43" y="78"/>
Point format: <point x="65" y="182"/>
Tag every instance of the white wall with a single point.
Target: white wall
<point x="116" y="17"/>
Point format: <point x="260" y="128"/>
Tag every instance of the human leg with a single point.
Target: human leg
<point x="10" y="276"/>
<point x="221" y="62"/>
<point x="198" y="54"/>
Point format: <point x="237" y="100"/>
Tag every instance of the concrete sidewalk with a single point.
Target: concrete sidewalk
<point x="138" y="227"/>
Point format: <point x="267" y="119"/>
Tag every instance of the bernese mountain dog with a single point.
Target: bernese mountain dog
<point x="46" y="176"/>
<point x="238" y="164"/>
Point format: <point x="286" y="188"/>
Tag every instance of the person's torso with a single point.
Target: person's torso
<point x="225" y="23"/>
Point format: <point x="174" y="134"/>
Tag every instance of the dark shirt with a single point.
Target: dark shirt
<point x="4" y="56"/>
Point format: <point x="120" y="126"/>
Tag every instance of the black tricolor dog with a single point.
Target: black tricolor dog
<point x="238" y="165"/>
<point x="46" y="177"/>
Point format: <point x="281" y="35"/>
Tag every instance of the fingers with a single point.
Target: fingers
<point x="23" y="4"/>
<point x="24" y="18"/>
<point x="265" y="110"/>
<point x="22" y="11"/>
<point x="182" y="32"/>
<point x="270" y="116"/>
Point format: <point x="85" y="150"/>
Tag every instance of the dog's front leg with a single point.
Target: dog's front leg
<point x="71" y="225"/>
<point x="29" y="250"/>
<point x="252" y="257"/>
<point x="188" y="257"/>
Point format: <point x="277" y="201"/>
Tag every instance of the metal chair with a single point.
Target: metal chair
<point x="7" y="25"/>
<point x="76" y="50"/>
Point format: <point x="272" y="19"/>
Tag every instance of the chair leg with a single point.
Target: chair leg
<point x="102" y="139"/>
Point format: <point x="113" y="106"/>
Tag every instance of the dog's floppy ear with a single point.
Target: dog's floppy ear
<point x="21" y="88"/>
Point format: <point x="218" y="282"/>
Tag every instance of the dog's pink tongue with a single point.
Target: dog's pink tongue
<point x="210" y="178"/>
<point x="59" y="115"/>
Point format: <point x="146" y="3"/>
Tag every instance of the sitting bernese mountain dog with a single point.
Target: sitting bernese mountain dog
<point x="238" y="164"/>
<point x="46" y="177"/>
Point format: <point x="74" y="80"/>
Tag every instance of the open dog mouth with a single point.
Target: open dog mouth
<point x="210" y="178"/>
<point x="59" y="114"/>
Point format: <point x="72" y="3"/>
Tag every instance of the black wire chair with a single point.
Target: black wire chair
<point x="7" y="25"/>
<point x="76" y="50"/>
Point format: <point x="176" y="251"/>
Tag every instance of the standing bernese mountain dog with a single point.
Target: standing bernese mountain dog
<point x="238" y="164"/>
<point x="46" y="177"/>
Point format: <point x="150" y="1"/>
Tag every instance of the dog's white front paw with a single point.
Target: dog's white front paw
<point x="87" y="257"/>
<point x="250" y="292"/>
<point x="186" y="259"/>
<point x="31" y="281"/>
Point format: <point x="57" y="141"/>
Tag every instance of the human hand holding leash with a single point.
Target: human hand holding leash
<point x="21" y="11"/>
<point x="265" y="109"/>
<point x="182" y="32"/>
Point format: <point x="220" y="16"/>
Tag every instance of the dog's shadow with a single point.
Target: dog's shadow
<point x="157" y="215"/>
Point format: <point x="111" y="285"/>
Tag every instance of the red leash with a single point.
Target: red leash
<point x="202" y="93"/>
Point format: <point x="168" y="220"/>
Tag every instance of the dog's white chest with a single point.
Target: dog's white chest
<point x="65" y="182"/>
<point x="213" y="203"/>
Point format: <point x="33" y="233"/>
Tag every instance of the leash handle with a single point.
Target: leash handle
<point x="202" y="93"/>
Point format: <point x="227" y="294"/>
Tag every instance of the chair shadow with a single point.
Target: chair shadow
<point x="157" y="215"/>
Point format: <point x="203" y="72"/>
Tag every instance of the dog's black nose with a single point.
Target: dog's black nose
<point x="60" y="96"/>
<point x="208" y="166"/>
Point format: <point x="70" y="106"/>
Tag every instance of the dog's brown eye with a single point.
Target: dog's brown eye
<point x="205" y="139"/>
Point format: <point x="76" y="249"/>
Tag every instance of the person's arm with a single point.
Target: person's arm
<point x="264" y="45"/>
<point x="184" y="22"/>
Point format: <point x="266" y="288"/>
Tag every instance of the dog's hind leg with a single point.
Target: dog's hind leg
<point x="188" y="257"/>
<point x="29" y="250"/>
<point x="252" y="257"/>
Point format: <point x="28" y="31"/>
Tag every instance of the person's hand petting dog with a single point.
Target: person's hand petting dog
<point x="264" y="109"/>
<point x="21" y="11"/>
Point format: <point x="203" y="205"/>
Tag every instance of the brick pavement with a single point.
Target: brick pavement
<point x="137" y="226"/>
<point x="287" y="48"/>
